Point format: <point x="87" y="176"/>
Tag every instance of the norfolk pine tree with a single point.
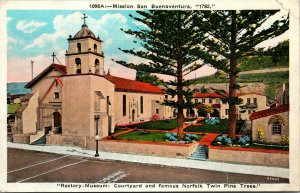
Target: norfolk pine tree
<point x="171" y="45"/>
<point x="233" y="35"/>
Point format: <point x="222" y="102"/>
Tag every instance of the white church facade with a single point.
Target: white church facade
<point x="67" y="103"/>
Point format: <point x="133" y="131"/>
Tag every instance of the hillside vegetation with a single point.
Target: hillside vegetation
<point x="268" y="78"/>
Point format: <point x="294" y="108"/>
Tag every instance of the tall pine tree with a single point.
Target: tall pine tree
<point x="232" y="35"/>
<point x="145" y="76"/>
<point x="171" y="45"/>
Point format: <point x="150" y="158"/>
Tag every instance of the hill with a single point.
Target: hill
<point x="17" y="88"/>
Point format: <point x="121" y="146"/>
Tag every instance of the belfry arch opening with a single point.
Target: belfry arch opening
<point x="95" y="47"/>
<point x="78" y="47"/>
<point x="97" y="66"/>
<point x="78" y="65"/>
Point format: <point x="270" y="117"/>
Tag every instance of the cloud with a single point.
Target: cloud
<point x="12" y="40"/>
<point x="29" y="27"/>
<point x="70" y="24"/>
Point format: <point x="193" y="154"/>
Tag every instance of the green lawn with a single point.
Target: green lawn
<point x="161" y="124"/>
<point x="137" y="135"/>
<point x="219" y="128"/>
<point x="158" y="125"/>
<point x="150" y="136"/>
<point x="12" y="108"/>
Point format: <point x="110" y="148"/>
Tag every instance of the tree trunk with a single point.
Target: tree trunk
<point x="180" y="117"/>
<point x="232" y="77"/>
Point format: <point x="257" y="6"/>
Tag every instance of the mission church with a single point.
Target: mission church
<point x="69" y="102"/>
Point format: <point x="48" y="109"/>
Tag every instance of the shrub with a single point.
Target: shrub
<point x="174" y="134"/>
<point x="228" y="141"/>
<point x="260" y="132"/>
<point x="284" y="140"/>
<point x="168" y="135"/>
<point x="191" y="136"/>
<point x="247" y="138"/>
<point x="242" y="141"/>
<point x="172" y="138"/>
<point x="187" y="138"/>
<point x="219" y="139"/>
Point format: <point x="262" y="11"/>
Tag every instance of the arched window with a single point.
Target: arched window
<point x="78" y="65"/>
<point x="276" y="128"/>
<point x="97" y="66"/>
<point x="78" y="47"/>
<point x="95" y="47"/>
<point x="276" y="122"/>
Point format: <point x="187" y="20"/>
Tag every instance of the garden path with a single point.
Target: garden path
<point x="208" y="138"/>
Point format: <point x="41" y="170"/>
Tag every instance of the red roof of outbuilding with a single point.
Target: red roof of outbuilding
<point x="123" y="84"/>
<point x="269" y="112"/>
<point x="206" y="95"/>
<point x="212" y="105"/>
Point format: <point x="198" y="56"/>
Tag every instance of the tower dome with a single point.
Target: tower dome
<point x="84" y="32"/>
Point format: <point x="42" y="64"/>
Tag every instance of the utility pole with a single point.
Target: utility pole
<point x="32" y="69"/>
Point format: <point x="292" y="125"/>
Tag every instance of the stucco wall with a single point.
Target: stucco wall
<point x="30" y="114"/>
<point x="261" y="104"/>
<point x="134" y="100"/>
<point x="78" y="105"/>
<point x="249" y="157"/>
<point x="263" y="122"/>
<point x="44" y="84"/>
<point x="148" y="148"/>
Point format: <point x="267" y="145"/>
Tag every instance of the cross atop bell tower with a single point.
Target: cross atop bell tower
<point x="84" y="17"/>
<point x="84" y="55"/>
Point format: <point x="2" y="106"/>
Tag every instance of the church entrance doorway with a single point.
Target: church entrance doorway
<point x="57" y="121"/>
<point x="133" y="115"/>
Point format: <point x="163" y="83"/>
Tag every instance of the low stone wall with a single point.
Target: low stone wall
<point x="21" y="138"/>
<point x="254" y="156"/>
<point x="148" y="148"/>
<point x="10" y="137"/>
<point x="77" y="141"/>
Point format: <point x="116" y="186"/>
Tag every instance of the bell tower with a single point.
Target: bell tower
<point x="85" y="54"/>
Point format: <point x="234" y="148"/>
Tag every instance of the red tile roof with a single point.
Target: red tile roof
<point x="123" y="84"/>
<point x="206" y="95"/>
<point x="212" y="105"/>
<point x="269" y="112"/>
<point x="58" y="67"/>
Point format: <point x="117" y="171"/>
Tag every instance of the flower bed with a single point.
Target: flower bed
<point x="221" y="127"/>
<point x="245" y="142"/>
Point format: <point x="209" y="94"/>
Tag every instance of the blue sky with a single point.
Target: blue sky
<point x="35" y="34"/>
